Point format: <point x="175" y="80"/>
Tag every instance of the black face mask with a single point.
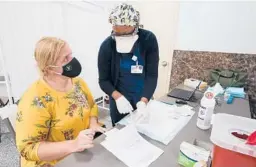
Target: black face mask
<point x="72" y="69"/>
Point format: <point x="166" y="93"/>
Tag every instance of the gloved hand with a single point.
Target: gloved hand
<point x="141" y="106"/>
<point x="143" y="114"/>
<point x="123" y="105"/>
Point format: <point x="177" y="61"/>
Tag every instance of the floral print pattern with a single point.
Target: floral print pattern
<point x="42" y="164"/>
<point x="48" y="124"/>
<point x="19" y="116"/>
<point x="40" y="102"/>
<point x="124" y="15"/>
<point x="78" y="101"/>
<point x="48" y="115"/>
<point x="24" y="153"/>
<point x="68" y="134"/>
<point x="42" y="136"/>
<point x="47" y="97"/>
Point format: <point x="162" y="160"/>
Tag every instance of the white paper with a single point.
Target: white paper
<point x="111" y="132"/>
<point x="165" y="121"/>
<point x="129" y="147"/>
<point x="213" y="115"/>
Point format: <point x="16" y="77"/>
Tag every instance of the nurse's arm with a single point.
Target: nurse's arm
<point x="151" y="70"/>
<point x="104" y="69"/>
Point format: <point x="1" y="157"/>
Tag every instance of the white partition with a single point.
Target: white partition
<point x="22" y="25"/>
<point x="82" y="25"/>
<point x="86" y="27"/>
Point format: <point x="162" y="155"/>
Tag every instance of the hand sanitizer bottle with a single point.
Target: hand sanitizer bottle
<point x="206" y="111"/>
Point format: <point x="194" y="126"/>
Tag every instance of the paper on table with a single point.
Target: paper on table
<point x="153" y="105"/>
<point x="111" y="132"/>
<point x="165" y="121"/>
<point x="166" y="129"/>
<point x="131" y="148"/>
<point x="212" y="120"/>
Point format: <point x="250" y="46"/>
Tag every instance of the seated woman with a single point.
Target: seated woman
<point x="57" y="114"/>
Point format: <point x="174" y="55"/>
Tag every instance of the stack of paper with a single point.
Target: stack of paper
<point x="129" y="147"/>
<point x="165" y="121"/>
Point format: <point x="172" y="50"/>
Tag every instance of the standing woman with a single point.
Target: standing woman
<point x="128" y="63"/>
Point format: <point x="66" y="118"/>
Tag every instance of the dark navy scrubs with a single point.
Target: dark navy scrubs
<point x="129" y="84"/>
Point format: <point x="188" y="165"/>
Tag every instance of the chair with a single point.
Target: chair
<point x="8" y="116"/>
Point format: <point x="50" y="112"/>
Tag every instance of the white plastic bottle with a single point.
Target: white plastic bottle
<point x="206" y="111"/>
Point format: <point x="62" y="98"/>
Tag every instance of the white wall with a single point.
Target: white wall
<point x="217" y="26"/>
<point x="1" y="71"/>
<point x="207" y="26"/>
<point x="85" y="28"/>
<point x="82" y="25"/>
<point x="21" y="26"/>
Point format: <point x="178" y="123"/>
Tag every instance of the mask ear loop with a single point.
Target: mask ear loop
<point x="45" y="71"/>
<point x="52" y="70"/>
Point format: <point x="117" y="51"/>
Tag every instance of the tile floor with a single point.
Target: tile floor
<point x="9" y="156"/>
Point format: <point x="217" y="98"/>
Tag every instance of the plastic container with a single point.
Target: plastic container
<point x="206" y="111"/>
<point x="191" y="155"/>
<point x="229" y="134"/>
<point x="193" y="83"/>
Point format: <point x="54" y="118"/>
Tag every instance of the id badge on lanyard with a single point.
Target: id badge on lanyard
<point x="136" y="69"/>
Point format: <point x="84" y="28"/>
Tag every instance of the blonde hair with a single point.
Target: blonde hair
<point x="47" y="51"/>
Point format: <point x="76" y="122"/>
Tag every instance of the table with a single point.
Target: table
<point x="100" y="157"/>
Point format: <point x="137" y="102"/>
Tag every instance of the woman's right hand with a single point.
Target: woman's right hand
<point x="123" y="105"/>
<point x="83" y="141"/>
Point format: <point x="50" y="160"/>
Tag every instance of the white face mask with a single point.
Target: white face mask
<point x="125" y="44"/>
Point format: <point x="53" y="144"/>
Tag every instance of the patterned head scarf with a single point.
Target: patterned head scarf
<point x="125" y="15"/>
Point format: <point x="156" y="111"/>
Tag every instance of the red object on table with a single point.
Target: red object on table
<point x="227" y="158"/>
<point x="252" y="139"/>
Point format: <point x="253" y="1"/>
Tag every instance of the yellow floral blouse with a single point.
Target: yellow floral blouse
<point x="45" y="114"/>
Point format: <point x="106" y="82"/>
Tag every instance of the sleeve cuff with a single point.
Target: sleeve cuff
<point x="146" y="96"/>
<point x="33" y="155"/>
<point x="94" y="111"/>
<point x="110" y="92"/>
